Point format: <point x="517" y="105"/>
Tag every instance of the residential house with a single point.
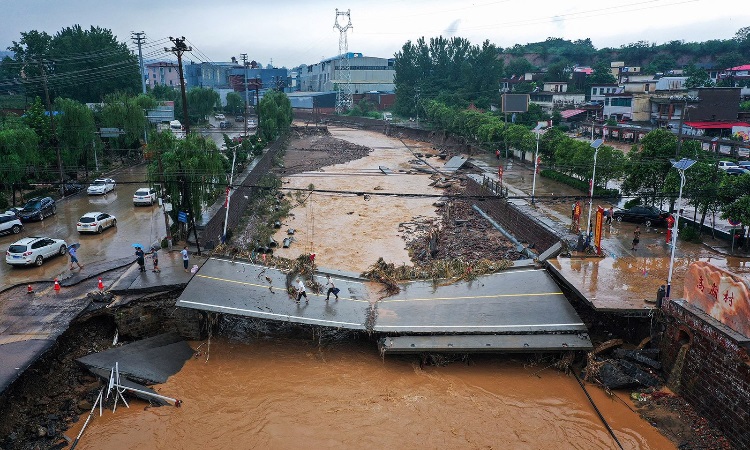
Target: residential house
<point x="627" y="106"/>
<point x="555" y="96"/>
<point x="598" y="91"/>
<point x="509" y="84"/>
<point x="671" y="84"/>
<point x="738" y="75"/>
<point x="162" y="73"/>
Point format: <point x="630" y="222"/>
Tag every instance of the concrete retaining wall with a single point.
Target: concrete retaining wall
<point x="522" y="226"/>
<point x="210" y="231"/>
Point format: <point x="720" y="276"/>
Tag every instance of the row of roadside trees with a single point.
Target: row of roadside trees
<point x="644" y="172"/>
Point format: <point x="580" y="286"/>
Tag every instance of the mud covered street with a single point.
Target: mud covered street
<point x="266" y="386"/>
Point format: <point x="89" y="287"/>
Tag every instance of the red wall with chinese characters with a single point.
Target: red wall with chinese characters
<point x="720" y="294"/>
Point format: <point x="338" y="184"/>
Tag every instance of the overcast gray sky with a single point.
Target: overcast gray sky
<point x="293" y="32"/>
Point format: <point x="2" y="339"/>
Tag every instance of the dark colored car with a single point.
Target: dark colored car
<point x="37" y="209"/>
<point x="239" y="119"/>
<point x="71" y="187"/>
<point x="736" y="171"/>
<point x="648" y="215"/>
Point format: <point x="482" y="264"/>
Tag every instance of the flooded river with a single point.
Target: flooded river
<point x="282" y="394"/>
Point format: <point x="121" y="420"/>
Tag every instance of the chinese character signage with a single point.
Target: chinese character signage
<point x="721" y="294"/>
<point x="599" y="221"/>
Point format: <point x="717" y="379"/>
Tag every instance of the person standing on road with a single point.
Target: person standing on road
<point x="185" y="258"/>
<point x="74" y="257"/>
<point x="301" y="292"/>
<point x="155" y="259"/>
<point x="140" y="258"/>
<point x="610" y="215"/>
<point x="636" y="238"/>
<point x="332" y="289"/>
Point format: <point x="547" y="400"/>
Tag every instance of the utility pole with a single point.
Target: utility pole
<point x="244" y="65"/>
<point x="139" y="37"/>
<point x="178" y="49"/>
<point x="54" y="140"/>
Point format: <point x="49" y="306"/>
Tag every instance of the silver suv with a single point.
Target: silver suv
<point x="10" y="223"/>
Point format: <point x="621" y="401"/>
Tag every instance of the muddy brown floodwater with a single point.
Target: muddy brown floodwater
<point x="282" y="394"/>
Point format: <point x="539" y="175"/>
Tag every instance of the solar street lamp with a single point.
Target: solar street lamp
<point x="595" y="145"/>
<point x="537" y="130"/>
<point x="681" y="166"/>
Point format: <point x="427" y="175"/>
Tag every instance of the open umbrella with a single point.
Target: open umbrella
<point x="75" y="246"/>
<point x="137" y="245"/>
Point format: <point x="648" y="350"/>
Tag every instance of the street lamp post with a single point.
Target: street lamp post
<point x="538" y="130"/>
<point x="595" y="145"/>
<point x="229" y="191"/>
<point x="681" y="166"/>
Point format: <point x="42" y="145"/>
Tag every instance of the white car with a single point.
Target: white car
<point x="101" y="186"/>
<point x="95" y="222"/>
<point x="144" y="196"/>
<point x="219" y="117"/>
<point x="34" y="250"/>
<point x="724" y="165"/>
<point x="10" y="223"/>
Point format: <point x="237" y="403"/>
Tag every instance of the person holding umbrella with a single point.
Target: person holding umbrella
<point x="74" y="256"/>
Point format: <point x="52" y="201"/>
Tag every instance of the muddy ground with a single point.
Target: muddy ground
<point x="56" y="390"/>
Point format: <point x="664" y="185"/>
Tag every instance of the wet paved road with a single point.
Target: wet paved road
<point x="142" y="224"/>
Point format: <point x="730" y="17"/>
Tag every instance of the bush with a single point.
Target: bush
<point x="4" y="203"/>
<point x="632" y="202"/>
<point x="578" y="184"/>
<point x="690" y="234"/>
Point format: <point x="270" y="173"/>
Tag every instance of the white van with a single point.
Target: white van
<point x="175" y="125"/>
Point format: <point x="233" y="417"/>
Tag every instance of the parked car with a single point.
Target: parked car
<point x="251" y="123"/>
<point x="34" y="250"/>
<point x="744" y="164"/>
<point x="225" y="124"/>
<point x="648" y="215"/>
<point x="144" y="196"/>
<point x="219" y="116"/>
<point x="95" y="222"/>
<point x="736" y="171"/>
<point x="71" y="187"/>
<point x="239" y="118"/>
<point x="101" y="186"/>
<point x="37" y="209"/>
<point x="10" y="223"/>
<point x="724" y="165"/>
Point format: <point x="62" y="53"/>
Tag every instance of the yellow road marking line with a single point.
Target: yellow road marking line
<point x="266" y="286"/>
<point x="536" y="294"/>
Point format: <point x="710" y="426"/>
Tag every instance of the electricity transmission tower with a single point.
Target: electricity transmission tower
<point x="344" y="78"/>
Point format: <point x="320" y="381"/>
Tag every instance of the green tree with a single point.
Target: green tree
<point x="449" y="70"/>
<point x="82" y="65"/>
<point x="275" y="111"/>
<point x="76" y="128"/>
<point x="648" y="166"/>
<point x="518" y="67"/>
<point x="201" y="103"/>
<point x="235" y="103"/>
<point x="697" y="77"/>
<point x="602" y="74"/>
<point x="164" y="92"/>
<point x="191" y="171"/>
<point x="128" y="114"/>
<point x="19" y="151"/>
